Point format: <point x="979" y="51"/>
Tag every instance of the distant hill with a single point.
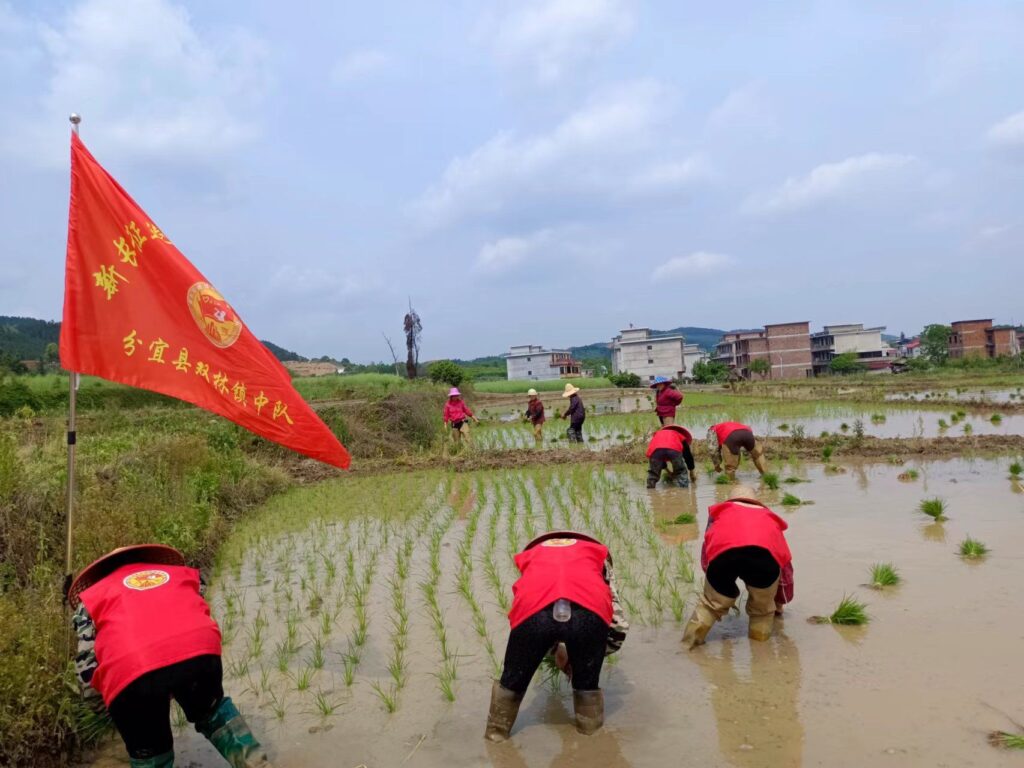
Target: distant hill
<point x="25" y="338"/>
<point x="282" y="354"/>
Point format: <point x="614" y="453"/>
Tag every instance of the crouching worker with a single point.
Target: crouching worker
<point x="669" y="450"/>
<point x="565" y="595"/>
<point x="726" y="440"/>
<point x="145" y="636"/>
<point x="743" y="540"/>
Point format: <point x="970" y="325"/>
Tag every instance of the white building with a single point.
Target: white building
<point x="528" y="361"/>
<point x="692" y="354"/>
<point x="835" y="340"/>
<point x="635" y="350"/>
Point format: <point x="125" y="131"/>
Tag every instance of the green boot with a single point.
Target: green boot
<point x="227" y="730"/>
<point x="166" y="760"/>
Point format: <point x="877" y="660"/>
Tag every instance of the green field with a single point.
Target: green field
<point x="552" y="385"/>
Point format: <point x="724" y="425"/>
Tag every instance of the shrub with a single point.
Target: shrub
<point x="446" y="372"/>
<point x="625" y="380"/>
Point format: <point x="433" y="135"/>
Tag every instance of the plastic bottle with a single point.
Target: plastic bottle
<point x="562" y="610"/>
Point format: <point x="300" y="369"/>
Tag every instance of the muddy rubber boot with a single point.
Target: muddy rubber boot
<point x="693" y="476"/>
<point x="761" y="610"/>
<point x="759" y="463"/>
<point x="589" y="708"/>
<point x="651" y="483"/>
<point x="504" y="709"/>
<point x="166" y="760"/>
<point x="710" y="607"/>
<point x="227" y="730"/>
<point x="682" y="480"/>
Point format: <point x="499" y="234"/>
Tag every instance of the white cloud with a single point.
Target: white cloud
<point x="828" y="181"/>
<point x="744" y="108"/>
<point x="506" y="253"/>
<point x="602" y="150"/>
<point x="358" y="65"/>
<point x="1008" y="132"/>
<point x="697" y="264"/>
<point x="550" y="36"/>
<point x="994" y="231"/>
<point x="142" y="77"/>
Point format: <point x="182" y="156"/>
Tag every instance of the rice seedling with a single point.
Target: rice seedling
<point x="178" y="718"/>
<point x="324" y="706"/>
<point x="996" y="418"/>
<point x="279" y="705"/>
<point x="303" y="678"/>
<point x="972" y="548"/>
<point x="723" y="480"/>
<point x="1016" y="469"/>
<point x="943" y="425"/>
<point x="783" y="427"/>
<point x="770" y="480"/>
<point x="909" y="476"/>
<point x="349" y="663"/>
<point x="849" y="612"/>
<point x="791" y="500"/>
<point x="1006" y="740"/>
<point x="792" y="480"/>
<point x="884" y="575"/>
<point x="968" y="429"/>
<point x="934" y="508"/>
<point x="826" y="453"/>
<point x="684" y="518"/>
<point x="878" y="418"/>
<point x="844" y="427"/>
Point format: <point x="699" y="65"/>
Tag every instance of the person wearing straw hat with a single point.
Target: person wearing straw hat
<point x="576" y="413"/>
<point x="744" y="540"/>
<point x="457" y="415"/>
<point x="669" y="450"/>
<point x="535" y="415"/>
<point x="726" y="440"/>
<point x="145" y="636"/>
<point x="667" y="399"/>
<point x="564" y="604"/>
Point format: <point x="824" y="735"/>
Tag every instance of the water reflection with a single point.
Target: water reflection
<point x="756" y="707"/>
<point x="934" y="532"/>
<point x="668" y="505"/>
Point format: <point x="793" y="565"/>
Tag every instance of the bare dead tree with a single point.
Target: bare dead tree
<point x="393" y="355"/>
<point x="413" y="329"/>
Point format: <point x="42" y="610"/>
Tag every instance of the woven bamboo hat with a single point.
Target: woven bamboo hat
<point x="157" y="554"/>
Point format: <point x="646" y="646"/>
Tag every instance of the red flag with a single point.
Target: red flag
<point x="136" y="311"/>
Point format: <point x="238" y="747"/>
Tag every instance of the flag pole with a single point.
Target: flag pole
<point x="75" y="119"/>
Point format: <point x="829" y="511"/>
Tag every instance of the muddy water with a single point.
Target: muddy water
<point x="920" y="685"/>
<point x="965" y="395"/>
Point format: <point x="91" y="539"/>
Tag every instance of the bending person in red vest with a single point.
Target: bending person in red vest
<point x="669" y="450"/>
<point x="145" y="636"/>
<point x="727" y="439"/>
<point x="566" y="595"/>
<point x="743" y="540"/>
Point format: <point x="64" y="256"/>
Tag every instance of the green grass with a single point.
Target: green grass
<point x="972" y="548"/>
<point x="849" y="612"/>
<point x="771" y="480"/>
<point x="551" y="385"/>
<point x="723" y="480"/>
<point x="685" y="518"/>
<point x="1006" y="740"/>
<point x="884" y="575"/>
<point x="934" y="508"/>
<point x="1016" y="468"/>
<point x="355" y="385"/>
<point x="791" y="500"/>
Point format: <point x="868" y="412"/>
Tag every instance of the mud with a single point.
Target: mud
<point x="922" y="684"/>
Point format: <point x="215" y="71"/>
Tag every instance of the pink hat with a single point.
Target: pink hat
<point x="454" y="392"/>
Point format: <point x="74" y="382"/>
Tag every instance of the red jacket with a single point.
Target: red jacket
<point x="535" y="412"/>
<point x="456" y="411"/>
<point x="557" y="568"/>
<point x="671" y="438"/>
<point x="749" y="524"/>
<point x="667" y="400"/>
<point x="726" y="428"/>
<point x="147" y="617"/>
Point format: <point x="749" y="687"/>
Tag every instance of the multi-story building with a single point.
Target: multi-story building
<point x="835" y="340"/>
<point x="979" y="338"/>
<point x="692" y="354"/>
<point x="637" y="350"/>
<point x="532" y="362"/>
<point x="786" y="347"/>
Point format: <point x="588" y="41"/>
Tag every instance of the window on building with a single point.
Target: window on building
<point x="529" y="373"/>
<point x="650" y="378"/>
<point x="528" y="359"/>
<point x="650" y="362"/>
<point x="649" y="347"/>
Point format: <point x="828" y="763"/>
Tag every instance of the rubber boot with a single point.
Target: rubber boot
<point x="589" y="708"/>
<point x="651" y="483"/>
<point x="166" y="760"/>
<point x="227" y="730"/>
<point x="693" y="476"/>
<point x="761" y="610"/>
<point x="504" y="709"/>
<point x="759" y="463"/>
<point x="710" y="607"/>
<point x="681" y="480"/>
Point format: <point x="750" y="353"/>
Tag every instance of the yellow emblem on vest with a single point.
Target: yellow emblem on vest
<point x="558" y="542"/>
<point x="143" y="580"/>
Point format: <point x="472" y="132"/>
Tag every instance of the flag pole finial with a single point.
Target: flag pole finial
<point x="74" y="118"/>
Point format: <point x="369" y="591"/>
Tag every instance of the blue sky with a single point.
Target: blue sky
<point x="539" y="171"/>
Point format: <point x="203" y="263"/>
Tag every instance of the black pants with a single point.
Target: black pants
<point x="678" y="461"/>
<point x="575" y="432"/>
<point x="585" y="636"/>
<point x="755" y="565"/>
<point x="142" y="711"/>
<point x="740" y="438"/>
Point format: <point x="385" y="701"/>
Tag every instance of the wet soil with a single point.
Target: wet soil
<point x="922" y="684"/>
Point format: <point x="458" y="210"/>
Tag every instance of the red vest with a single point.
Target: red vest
<point x="726" y="428"/>
<point x="732" y="524"/>
<point x="672" y="439"/>
<point x="555" y="569"/>
<point x="147" y="617"/>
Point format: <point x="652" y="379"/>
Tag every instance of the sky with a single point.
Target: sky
<point x="532" y="171"/>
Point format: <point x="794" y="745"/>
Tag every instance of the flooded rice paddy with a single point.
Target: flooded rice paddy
<point x="365" y="618"/>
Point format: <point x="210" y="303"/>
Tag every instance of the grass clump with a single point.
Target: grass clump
<point x="685" y="518"/>
<point x="996" y="418"/>
<point x="909" y="476"/>
<point x="1016" y="468"/>
<point x="972" y="548"/>
<point x="723" y="480"/>
<point x="1006" y="740"/>
<point x="771" y="480"/>
<point x="849" y="612"/>
<point x="884" y="575"/>
<point x="934" y="508"/>
<point x="791" y="500"/>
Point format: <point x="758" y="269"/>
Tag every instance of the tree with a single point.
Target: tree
<point x="935" y="343"/>
<point x="413" y="327"/>
<point x="760" y="366"/>
<point x="446" y="372"/>
<point x="846" y="363"/>
<point x="710" y="372"/>
<point x="625" y="380"/>
<point x="392" y="348"/>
